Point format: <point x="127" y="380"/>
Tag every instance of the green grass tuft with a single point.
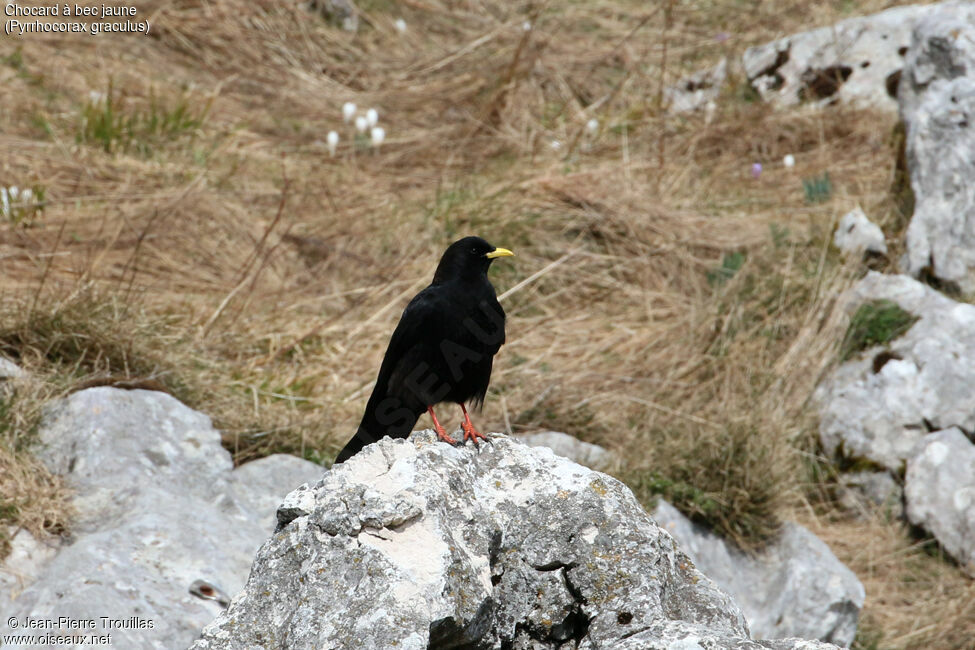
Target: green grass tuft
<point x="112" y="124"/>
<point x="817" y="189"/>
<point x="877" y="322"/>
<point x="729" y="266"/>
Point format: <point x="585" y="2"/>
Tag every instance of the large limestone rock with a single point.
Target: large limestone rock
<point x="578" y="451"/>
<point x="940" y="491"/>
<point x="856" y="61"/>
<point x="414" y="544"/>
<point x="794" y="588"/>
<point x="938" y="108"/>
<point x="879" y="406"/>
<point x="158" y="506"/>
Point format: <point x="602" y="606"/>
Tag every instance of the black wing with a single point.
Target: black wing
<point x="394" y="408"/>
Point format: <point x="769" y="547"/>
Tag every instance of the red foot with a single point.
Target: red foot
<point x="470" y="433"/>
<point x="439" y="429"/>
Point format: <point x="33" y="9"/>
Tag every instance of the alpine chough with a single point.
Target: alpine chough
<point x="441" y="351"/>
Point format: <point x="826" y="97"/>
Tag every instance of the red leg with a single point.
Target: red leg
<point x="439" y="429"/>
<point x="470" y="433"/>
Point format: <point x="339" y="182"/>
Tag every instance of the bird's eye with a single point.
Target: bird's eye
<point x="474" y="250"/>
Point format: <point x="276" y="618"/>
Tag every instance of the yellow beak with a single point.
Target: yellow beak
<point x="499" y="252"/>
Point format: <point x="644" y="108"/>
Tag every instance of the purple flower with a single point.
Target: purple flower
<point x="756" y="170"/>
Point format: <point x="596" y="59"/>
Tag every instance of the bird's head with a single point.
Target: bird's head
<point x="468" y="258"/>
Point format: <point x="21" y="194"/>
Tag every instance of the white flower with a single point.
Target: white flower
<point x="4" y="202"/>
<point x="789" y="160"/>
<point x="592" y="125"/>
<point x="13" y="192"/>
<point x="372" y="117"/>
<point x="378" y="135"/>
<point x="95" y="97"/>
<point x="348" y="111"/>
<point x="556" y="145"/>
<point x="526" y="26"/>
<point x="333" y="142"/>
<point x="26" y="196"/>
<point x="361" y="124"/>
<point x="400" y="25"/>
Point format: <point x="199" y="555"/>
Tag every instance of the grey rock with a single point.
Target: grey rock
<point x="10" y="370"/>
<point x="414" y="544"/>
<point x="159" y="506"/>
<point x="584" y="453"/>
<point x="941" y="49"/>
<point x="341" y="13"/>
<point x="940" y="492"/>
<point x="23" y="563"/>
<point x="856" y="61"/>
<point x="863" y="493"/>
<point x="878" y="407"/>
<point x="696" y="90"/>
<point x="938" y="108"/>
<point x="857" y="234"/>
<point x="795" y="588"/>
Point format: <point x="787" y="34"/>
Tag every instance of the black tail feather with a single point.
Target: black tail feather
<point x="397" y="423"/>
<point x="354" y="446"/>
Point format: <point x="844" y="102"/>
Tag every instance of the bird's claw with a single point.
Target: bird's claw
<point x="470" y="433"/>
<point x="443" y="435"/>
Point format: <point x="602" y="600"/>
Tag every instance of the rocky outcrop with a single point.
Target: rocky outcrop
<point x="857" y="61"/>
<point x="158" y="506"/>
<point x="794" y="588"/>
<point x="879" y="406"/>
<point x="857" y="234"/>
<point x="938" y="108"/>
<point x="909" y="406"/>
<point x="584" y="453"/>
<point x="415" y="544"/>
<point x="940" y="492"/>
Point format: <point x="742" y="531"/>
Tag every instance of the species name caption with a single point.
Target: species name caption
<point x="22" y="20"/>
<point x="69" y="630"/>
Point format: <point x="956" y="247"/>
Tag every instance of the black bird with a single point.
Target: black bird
<point x="441" y="351"/>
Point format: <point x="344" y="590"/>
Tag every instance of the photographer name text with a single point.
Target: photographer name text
<point x="70" y="623"/>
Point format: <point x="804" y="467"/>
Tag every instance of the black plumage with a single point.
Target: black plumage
<point x="441" y="351"/>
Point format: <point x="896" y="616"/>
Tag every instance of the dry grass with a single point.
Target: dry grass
<point x="663" y="302"/>
<point x="916" y="598"/>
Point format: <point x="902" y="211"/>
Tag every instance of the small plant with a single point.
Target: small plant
<point x="20" y="207"/>
<point x="729" y="266"/>
<point x="107" y="121"/>
<point x="817" y="188"/>
<point x="366" y="133"/>
<point x="877" y="322"/>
